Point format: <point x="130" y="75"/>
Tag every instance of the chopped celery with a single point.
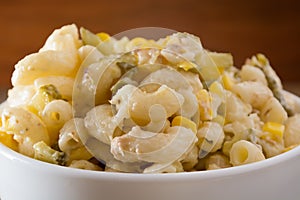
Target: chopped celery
<point x="45" y="153"/>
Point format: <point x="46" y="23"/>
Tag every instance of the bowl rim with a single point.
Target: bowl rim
<point x="28" y="162"/>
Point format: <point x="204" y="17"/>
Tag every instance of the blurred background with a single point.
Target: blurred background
<point x="240" y="27"/>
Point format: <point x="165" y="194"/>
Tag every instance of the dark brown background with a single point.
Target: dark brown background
<point x="240" y="27"/>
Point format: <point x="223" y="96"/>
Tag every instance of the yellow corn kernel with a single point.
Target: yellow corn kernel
<point x="227" y="82"/>
<point x="8" y="140"/>
<point x="79" y="154"/>
<point x="103" y="36"/>
<point x="273" y="130"/>
<point x="205" y="105"/>
<point x="185" y="122"/>
<point x="186" y="65"/>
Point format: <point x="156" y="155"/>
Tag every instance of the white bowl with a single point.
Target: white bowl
<point x="25" y="178"/>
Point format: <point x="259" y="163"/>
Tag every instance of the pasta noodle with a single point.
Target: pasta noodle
<point x="46" y="63"/>
<point x="99" y="122"/>
<point x="70" y="142"/>
<point x="273" y="111"/>
<point x="211" y="138"/>
<point x="254" y="93"/>
<point x="292" y="127"/>
<point x="21" y="95"/>
<point x="236" y="109"/>
<point x="63" y="39"/>
<point x="251" y="73"/>
<point x="55" y="115"/>
<point x="244" y="152"/>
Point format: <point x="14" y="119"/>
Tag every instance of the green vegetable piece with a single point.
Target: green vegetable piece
<point x="45" y="153"/>
<point x="126" y="62"/>
<point x="125" y="66"/>
<point x="43" y="96"/>
<point x="89" y="38"/>
<point x="50" y="92"/>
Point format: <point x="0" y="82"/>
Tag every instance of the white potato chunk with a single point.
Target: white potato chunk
<point x="153" y="147"/>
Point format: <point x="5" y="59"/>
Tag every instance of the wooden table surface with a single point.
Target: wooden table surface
<point x="240" y="27"/>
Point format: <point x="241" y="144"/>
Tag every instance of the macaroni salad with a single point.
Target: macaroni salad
<point x="92" y="101"/>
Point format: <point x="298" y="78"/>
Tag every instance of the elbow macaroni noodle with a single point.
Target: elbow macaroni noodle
<point x="95" y="102"/>
<point x="243" y="152"/>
